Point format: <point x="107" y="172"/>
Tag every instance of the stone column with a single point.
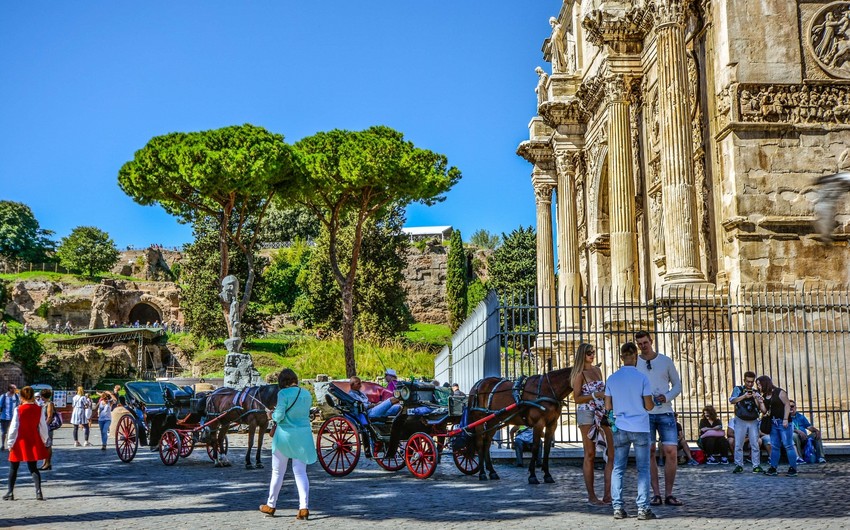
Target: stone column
<point x="543" y="186"/>
<point x="677" y="169"/>
<point x="569" y="276"/>
<point x="621" y="192"/>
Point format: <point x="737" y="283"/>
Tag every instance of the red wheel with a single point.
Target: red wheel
<point x="224" y="445"/>
<point x="169" y="447"/>
<point x="187" y="444"/>
<point x="126" y="438"/>
<point x="392" y="462"/>
<point x="421" y="455"/>
<point x="338" y="445"/>
<point x="466" y="459"/>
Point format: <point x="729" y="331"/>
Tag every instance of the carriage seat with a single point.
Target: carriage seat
<point x="374" y="392"/>
<point x="179" y="398"/>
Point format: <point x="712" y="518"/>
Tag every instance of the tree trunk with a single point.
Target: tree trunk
<point x="348" y="328"/>
<point x="224" y="265"/>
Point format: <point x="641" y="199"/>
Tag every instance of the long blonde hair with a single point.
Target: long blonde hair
<point x="80" y="391"/>
<point x="578" y="363"/>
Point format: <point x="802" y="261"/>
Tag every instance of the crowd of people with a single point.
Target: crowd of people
<point x="633" y="407"/>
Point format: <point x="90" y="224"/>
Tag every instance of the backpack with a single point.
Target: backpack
<point x="809" y="453"/>
<point x="746" y="409"/>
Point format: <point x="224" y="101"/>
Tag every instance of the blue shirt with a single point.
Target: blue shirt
<point x="627" y="388"/>
<point x="8" y="404"/>
<point x="800" y="422"/>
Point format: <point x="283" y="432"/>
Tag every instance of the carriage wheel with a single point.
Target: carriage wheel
<point x="126" y="439"/>
<point x="466" y="460"/>
<point x="421" y="455"/>
<point x="338" y="445"/>
<point x="187" y="444"/>
<point x="224" y="445"/>
<point x="169" y="447"/>
<point x="390" y="463"/>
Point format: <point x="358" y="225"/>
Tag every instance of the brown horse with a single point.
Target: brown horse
<point x="249" y="406"/>
<point x="540" y="399"/>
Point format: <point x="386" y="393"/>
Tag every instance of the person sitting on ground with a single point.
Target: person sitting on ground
<point x="713" y="437"/>
<point x="803" y="430"/>
<point x="523" y="440"/>
<point x="387" y="407"/>
<point x="684" y="448"/>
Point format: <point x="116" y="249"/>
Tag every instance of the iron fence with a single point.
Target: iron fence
<point x="799" y="337"/>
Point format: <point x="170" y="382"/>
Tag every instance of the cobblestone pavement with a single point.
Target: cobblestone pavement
<point x="92" y="489"/>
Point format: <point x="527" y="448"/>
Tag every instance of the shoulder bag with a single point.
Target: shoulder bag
<point x="273" y="428"/>
<point x="766" y="423"/>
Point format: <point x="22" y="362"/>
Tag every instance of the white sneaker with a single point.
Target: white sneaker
<point x="87" y="444"/>
<point x="76" y="444"/>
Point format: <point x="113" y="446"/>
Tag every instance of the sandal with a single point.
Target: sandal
<point x="656" y="500"/>
<point x="672" y="501"/>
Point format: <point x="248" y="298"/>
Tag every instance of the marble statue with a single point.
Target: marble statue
<point x="558" y="42"/>
<point x="540" y="89"/>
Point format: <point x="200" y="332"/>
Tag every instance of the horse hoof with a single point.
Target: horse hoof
<point x="548" y="479"/>
<point x="482" y="477"/>
<point x="249" y="466"/>
<point x="533" y="480"/>
<point x="259" y="466"/>
<point x="494" y="476"/>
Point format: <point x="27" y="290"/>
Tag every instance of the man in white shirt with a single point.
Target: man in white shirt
<point x="666" y="386"/>
<point x="628" y="394"/>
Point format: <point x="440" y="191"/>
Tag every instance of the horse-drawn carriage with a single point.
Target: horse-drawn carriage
<point x="415" y="437"/>
<point x="169" y="419"/>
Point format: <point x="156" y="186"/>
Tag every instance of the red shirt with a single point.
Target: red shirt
<point x="29" y="446"/>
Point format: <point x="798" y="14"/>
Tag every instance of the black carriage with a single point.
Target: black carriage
<point x="170" y="419"/>
<point x="416" y="437"/>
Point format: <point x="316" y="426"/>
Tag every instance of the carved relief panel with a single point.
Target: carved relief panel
<point x="826" y="39"/>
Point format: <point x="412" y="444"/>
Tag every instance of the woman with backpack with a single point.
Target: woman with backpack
<point x="81" y="416"/>
<point x="746" y="423"/>
<point x="49" y="411"/>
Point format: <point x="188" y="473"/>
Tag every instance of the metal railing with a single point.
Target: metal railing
<point x="798" y="337"/>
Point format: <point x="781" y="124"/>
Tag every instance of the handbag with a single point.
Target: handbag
<point x="273" y="428"/>
<point x="55" y="421"/>
<point x="766" y="422"/>
<point x="810" y="455"/>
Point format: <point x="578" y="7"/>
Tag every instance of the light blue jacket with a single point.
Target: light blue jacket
<point x="294" y="437"/>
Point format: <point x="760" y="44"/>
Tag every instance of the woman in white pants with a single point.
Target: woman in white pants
<point x="292" y="440"/>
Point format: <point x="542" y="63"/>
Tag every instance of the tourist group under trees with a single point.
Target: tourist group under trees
<point x="351" y="182"/>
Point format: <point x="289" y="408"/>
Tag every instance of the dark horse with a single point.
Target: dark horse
<point x="540" y="399"/>
<point x="249" y="406"/>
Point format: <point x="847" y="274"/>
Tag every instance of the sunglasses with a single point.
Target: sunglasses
<point x="590" y="352"/>
<point x="648" y="365"/>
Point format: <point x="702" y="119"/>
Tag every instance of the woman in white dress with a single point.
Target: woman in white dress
<point x="81" y="416"/>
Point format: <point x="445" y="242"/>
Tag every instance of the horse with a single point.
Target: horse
<point x="249" y="406"/>
<point x="539" y="398"/>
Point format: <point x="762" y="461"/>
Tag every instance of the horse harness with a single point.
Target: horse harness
<point x="517" y="390"/>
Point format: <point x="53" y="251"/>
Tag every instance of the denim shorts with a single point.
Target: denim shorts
<point x="665" y="426"/>
<point x="585" y="417"/>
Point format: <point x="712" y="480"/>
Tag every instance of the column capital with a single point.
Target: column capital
<point x="621" y="31"/>
<point x="620" y="88"/>
<point x="670" y="13"/>
<point x="543" y="191"/>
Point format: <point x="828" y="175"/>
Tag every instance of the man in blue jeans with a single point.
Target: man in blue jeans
<point x="628" y="394"/>
<point x="666" y="386"/>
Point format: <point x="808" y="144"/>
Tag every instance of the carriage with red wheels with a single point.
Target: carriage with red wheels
<point x="172" y="420"/>
<point x="414" y="438"/>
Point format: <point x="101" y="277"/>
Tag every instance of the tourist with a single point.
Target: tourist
<point x="387" y="407"/>
<point x="49" y="410"/>
<point x="684" y="449"/>
<point x="390" y="377"/>
<point x="666" y="386"/>
<point x="803" y="431"/>
<point x="8" y="403"/>
<point x="589" y="395"/>
<point x="4" y="328"/>
<point x="292" y="439"/>
<point x="81" y="415"/>
<point x="712" y="437"/>
<point x="456" y="391"/>
<point x="746" y="423"/>
<point x="774" y="401"/>
<point x="27" y="434"/>
<point x="629" y="395"/>
<point x="104" y="416"/>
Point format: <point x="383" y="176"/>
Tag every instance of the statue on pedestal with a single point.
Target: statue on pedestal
<point x="559" y="47"/>
<point x="239" y="370"/>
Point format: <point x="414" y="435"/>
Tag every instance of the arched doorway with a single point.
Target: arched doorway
<point x="144" y="313"/>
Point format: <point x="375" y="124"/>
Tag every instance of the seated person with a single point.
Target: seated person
<point x="390" y="377"/>
<point x="803" y="430"/>
<point x="712" y="437"/>
<point x="523" y="439"/>
<point x="684" y="448"/>
<point x="456" y="390"/>
<point x="387" y="407"/>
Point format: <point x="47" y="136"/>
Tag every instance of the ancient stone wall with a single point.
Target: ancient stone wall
<point x="425" y="283"/>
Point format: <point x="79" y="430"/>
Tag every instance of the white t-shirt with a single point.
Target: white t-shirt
<point x="627" y="387"/>
<point x="663" y="379"/>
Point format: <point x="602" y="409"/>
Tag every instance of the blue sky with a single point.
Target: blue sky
<point x="83" y="85"/>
